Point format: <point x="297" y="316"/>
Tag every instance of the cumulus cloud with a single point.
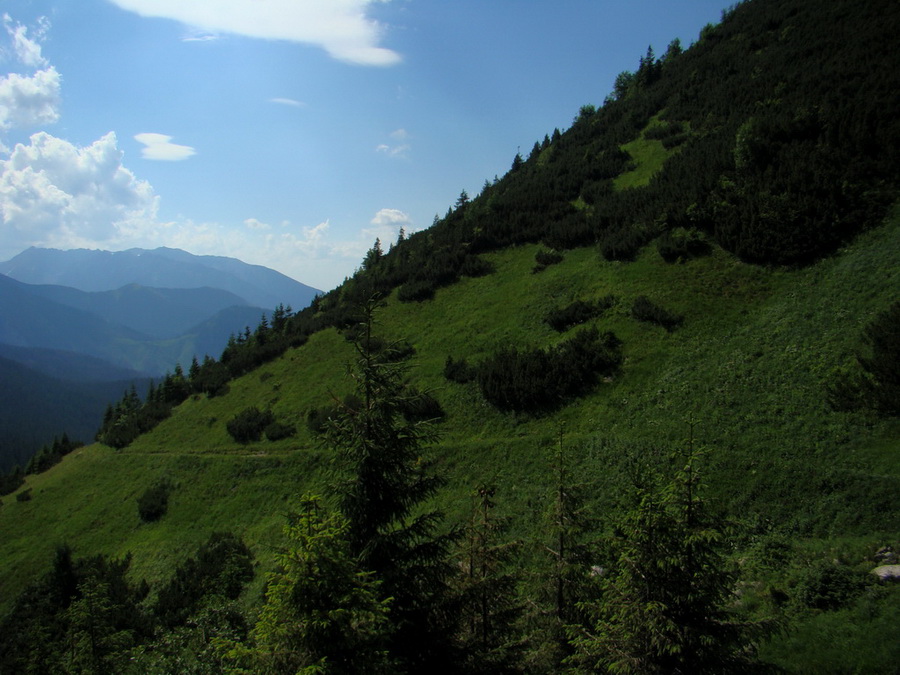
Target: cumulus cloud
<point x="53" y="193"/>
<point x="159" y="147"/>
<point x="338" y="26"/>
<point x="254" y="224"/>
<point x="28" y="101"/>
<point x="391" y="218"/>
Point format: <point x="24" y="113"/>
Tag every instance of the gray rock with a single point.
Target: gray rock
<point x="887" y="572"/>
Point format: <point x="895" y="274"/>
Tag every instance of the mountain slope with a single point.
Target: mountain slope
<point x="745" y="374"/>
<point x="29" y="320"/>
<point x="159" y="313"/>
<point x="69" y="366"/>
<point x="36" y="408"/>
<point x="89" y="270"/>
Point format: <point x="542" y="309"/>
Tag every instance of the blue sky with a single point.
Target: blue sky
<point x="289" y="133"/>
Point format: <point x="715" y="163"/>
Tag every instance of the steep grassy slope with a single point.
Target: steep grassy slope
<point x="748" y="366"/>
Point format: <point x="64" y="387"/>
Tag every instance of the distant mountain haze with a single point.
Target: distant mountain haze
<point x="94" y="270"/>
<point x="156" y="312"/>
<point x="35" y="408"/>
<point x="78" y="327"/>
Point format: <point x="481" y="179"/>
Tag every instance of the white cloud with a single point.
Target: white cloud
<point x="288" y="101"/>
<point x="197" y="35"/>
<point x="160" y="147"/>
<point x="390" y="218"/>
<point x="254" y="224"/>
<point x="28" y="101"/>
<point x="338" y="26"/>
<point x="399" y="146"/>
<point x="27" y="51"/>
<point x="53" y="193"/>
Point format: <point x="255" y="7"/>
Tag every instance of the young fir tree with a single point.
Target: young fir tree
<point x="487" y="587"/>
<point x="662" y="603"/>
<point x="384" y="486"/>
<point x="96" y="644"/>
<point x="566" y="561"/>
<point x="323" y="614"/>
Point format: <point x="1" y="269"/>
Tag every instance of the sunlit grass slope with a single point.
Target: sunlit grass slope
<point x="748" y="368"/>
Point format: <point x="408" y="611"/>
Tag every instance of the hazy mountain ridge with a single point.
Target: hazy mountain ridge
<point x="121" y="332"/>
<point x="35" y="408"/>
<point x="159" y="313"/>
<point x="92" y="270"/>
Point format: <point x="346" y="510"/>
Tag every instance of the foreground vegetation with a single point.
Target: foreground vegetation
<point x="642" y="450"/>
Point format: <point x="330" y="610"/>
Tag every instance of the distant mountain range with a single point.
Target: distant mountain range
<point x="91" y="270"/>
<point x="88" y="323"/>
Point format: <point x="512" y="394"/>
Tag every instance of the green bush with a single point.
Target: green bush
<point x="459" y="371"/>
<point x="577" y="313"/>
<point x="248" y="425"/>
<point x="543" y="259"/>
<point x="647" y="311"/>
<point x="827" y="586"/>
<point x="540" y="380"/>
<point x="153" y="504"/>
<point x="679" y="245"/>
<point x="416" y="291"/>
<point x="278" y="431"/>
<point x="876" y="384"/>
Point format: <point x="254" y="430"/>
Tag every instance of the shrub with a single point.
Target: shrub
<point x="544" y="259"/>
<point x="475" y="266"/>
<point x="827" y="586"/>
<point x="645" y="310"/>
<point x="153" y="504"/>
<point x="877" y="386"/>
<point x="416" y="291"/>
<point x="660" y="132"/>
<point x="621" y="243"/>
<point x="540" y="380"/>
<point x="680" y="244"/>
<point x="317" y="419"/>
<point x="577" y="313"/>
<point x="421" y="407"/>
<point x="222" y="567"/>
<point x="248" y="425"/>
<point x="278" y="431"/>
<point x="459" y="371"/>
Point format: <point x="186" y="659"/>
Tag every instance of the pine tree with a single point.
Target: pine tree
<point x="96" y="644"/>
<point x="662" y="603"/>
<point x="323" y="614"/>
<point x="488" y="590"/>
<point x="384" y="486"/>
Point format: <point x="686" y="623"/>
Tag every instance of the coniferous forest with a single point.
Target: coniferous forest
<point x="633" y="408"/>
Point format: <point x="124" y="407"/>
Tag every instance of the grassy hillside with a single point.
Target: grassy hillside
<point x="748" y="365"/>
<point x="744" y="374"/>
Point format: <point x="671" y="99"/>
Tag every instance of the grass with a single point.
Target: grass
<point x="648" y="156"/>
<point x="748" y="367"/>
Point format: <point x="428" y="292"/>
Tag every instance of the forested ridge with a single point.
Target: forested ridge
<point x="631" y="408"/>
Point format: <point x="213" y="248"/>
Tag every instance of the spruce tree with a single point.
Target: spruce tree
<point x="323" y="614"/>
<point x="488" y="591"/>
<point x="662" y="603"/>
<point x="383" y="489"/>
